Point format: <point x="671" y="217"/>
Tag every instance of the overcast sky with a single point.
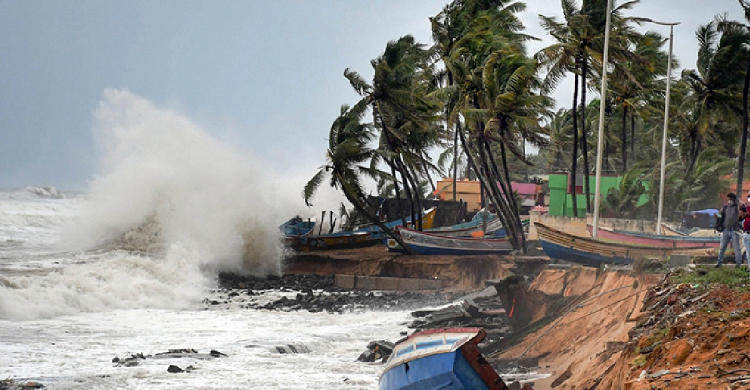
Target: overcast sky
<point x="265" y="76"/>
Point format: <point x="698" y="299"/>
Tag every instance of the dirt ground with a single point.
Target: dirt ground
<point x="691" y="337"/>
<point x="586" y="339"/>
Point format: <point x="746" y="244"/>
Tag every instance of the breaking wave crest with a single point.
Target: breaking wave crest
<point x="170" y="208"/>
<point x="165" y="178"/>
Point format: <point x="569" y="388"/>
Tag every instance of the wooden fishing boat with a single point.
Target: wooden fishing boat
<point x="428" y="219"/>
<point x="469" y="229"/>
<point x="424" y="243"/>
<point x="670" y="231"/>
<point x="367" y="236"/>
<point x="654" y="240"/>
<point x="342" y="240"/>
<point x="440" y="359"/>
<point x="592" y="252"/>
<point x="297" y="226"/>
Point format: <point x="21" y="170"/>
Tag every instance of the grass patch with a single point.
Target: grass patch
<point x="735" y="278"/>
<point x="639" y="361"/>
<point x="658" y="336"/>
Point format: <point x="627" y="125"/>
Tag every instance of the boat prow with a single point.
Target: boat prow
<point x="440" y="359"/>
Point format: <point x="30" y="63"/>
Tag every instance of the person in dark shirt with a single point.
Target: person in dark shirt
<point x="731" y="215"/>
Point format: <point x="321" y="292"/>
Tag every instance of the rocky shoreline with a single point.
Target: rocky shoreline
<point x="316" y="293"/>
<point x="430" y="310"/>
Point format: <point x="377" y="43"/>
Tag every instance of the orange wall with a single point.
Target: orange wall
<point x="468" y="191"/>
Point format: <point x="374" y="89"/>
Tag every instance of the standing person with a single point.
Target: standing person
<point x="730" y="215"/>
<point x="746" y="228"/>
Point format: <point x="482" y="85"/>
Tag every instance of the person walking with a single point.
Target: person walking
<point x="730" y="217"/>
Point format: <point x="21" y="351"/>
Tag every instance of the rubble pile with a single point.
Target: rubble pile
<point x="690" y="335"/>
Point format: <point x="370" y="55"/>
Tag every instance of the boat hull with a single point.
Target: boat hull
<point x="567" y="253"/>
<point x="592" y="252"/>
<point x="340" y="241"/>
<point x="442" y="371"/>
<point x="643" y="239"/>
<point x="440" y="359"/>
<point x="433" y="244"/>
<point x="361" y="238"/>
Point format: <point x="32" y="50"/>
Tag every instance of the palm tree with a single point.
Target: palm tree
<point x="579" y="48"/>
<point x="406" y="117"/>
<point x="727" y="26"/>
<point x="559" y="134"/>
<point x="623" y="200"/>
<point x="700" y="186"/>
<point x="449" y="27"/>
<point x="635" y="81"/>
<point x="510" y="79"/>
<point x="493" y="33"/>
<point x="714" y="88"/>
<point x="348" y="148"/>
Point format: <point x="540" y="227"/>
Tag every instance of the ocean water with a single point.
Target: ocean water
<point x="64" y="315"/>
<point x="123" y="268"/>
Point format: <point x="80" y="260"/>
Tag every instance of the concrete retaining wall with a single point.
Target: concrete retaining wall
<point x="386" y="283"/>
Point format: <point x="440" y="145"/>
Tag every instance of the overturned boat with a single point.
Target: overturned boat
<point x="440" y="359"/>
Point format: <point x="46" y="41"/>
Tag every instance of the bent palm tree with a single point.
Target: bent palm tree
<point x="347" y="148"/>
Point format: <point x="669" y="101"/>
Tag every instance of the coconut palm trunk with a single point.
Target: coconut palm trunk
<point x="743" y="142"/>
<point x="473" y="165"/>
<point x="574" y="167"/>
<point x="498" y="189"/>
<point x="623" y="137"/>
<point x="584" y="138"/>
<point x="455" y="161"/>
<point x="507" y="189"/>
<point x="632" y="137"/>
<point x="512" y="199"/>
<point x="417" y="201"/>
<point x="399" y="212"/>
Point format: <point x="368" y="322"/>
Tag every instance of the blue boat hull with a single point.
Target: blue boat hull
<point x="560" y="252"/>
<point x="445" y="371"/>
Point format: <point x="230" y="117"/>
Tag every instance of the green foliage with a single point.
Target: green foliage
<point x="623" y="200"/>
<point x="639" y="361"/>
<point x="736" y="278"/>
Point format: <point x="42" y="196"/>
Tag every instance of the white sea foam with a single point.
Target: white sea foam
<point x="205" y="195"/>
<point x="170" y="208"/>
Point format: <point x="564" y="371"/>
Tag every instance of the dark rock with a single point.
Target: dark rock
<point x="292" y="348"/>
<point x="217" y="354"/>
<point x="366" y="357"/>
<point x="174" y="369"/>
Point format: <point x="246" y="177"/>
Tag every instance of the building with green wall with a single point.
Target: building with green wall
<point x="561" y="202"/>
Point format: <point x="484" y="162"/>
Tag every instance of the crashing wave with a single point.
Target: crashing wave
<point x="45" y="192"/>
<point x="146" y="238"/>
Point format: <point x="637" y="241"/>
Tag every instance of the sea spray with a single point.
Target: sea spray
<point x="169" y="209"/>
<point x="205" y="195"/>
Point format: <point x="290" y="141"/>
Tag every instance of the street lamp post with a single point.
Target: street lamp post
<point x="600" y="142"/>
<point x="666" y="124"/>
